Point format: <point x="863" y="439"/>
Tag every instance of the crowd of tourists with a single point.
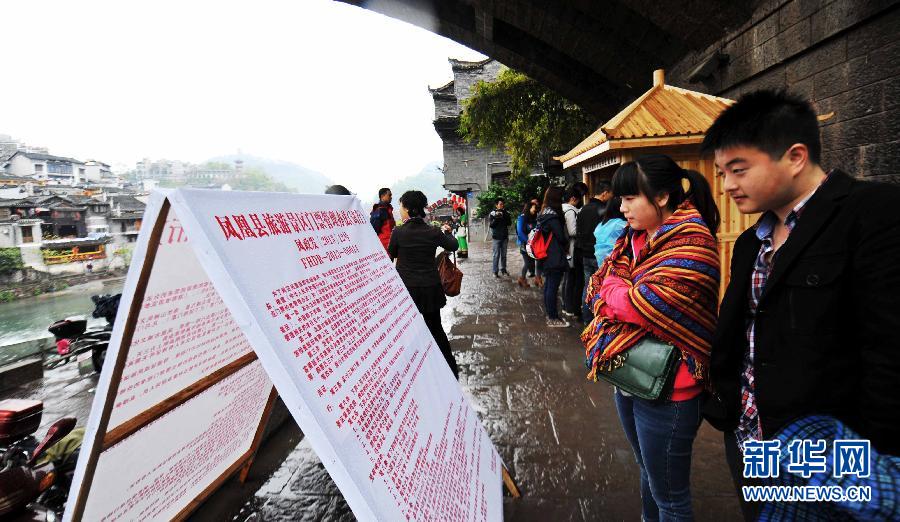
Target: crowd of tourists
<point x="803" y="345"/>
<point x="804" y="342"/>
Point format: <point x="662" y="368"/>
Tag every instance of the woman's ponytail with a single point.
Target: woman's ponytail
<point x="701" y="196"/>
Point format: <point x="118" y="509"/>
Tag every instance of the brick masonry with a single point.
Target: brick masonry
<point x="466" y="167"/>
<point x="843" y="55"/>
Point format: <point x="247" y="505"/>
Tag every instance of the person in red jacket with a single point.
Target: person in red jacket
<point x="382" y="216"/>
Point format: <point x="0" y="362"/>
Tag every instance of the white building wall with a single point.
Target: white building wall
<point x="11" y="233"/>
<point x="7" y="235"/>
<point x="97" y="225"/>
<point x="12" y="193"/>
<point x="19" y="165"/>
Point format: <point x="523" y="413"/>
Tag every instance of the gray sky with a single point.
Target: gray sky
<point x="330" y="86"/>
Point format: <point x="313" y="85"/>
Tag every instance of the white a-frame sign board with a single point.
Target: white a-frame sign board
<point x="232" y="293"/>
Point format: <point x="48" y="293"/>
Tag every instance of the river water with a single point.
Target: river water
<point x="29" y="318"/>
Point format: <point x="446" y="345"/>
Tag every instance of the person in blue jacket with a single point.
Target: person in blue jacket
<point x="524" y="225"/>
<point x="609" y="230"/>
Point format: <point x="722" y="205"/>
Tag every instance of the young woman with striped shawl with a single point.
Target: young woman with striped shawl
<point x="660" y="280"/>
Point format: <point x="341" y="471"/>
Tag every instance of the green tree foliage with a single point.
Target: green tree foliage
<point x="10" y="260"/>
<point x="256" y="179"/>
<point x="515" y="193"/>
<point x="217" y="165"/>
<point x="529" y="121"/>
<point x="248" y="179"/>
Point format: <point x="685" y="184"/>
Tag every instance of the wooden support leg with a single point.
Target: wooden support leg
<point x="245" y="471"/>
<point x="510" y="484"/>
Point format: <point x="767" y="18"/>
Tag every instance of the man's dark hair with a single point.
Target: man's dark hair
<point x="382" y="191"/>
<point x="602" y="186"/>
<point x="414" y="201"/>
<point x="580" y="189"/>
<point x="769" y="120"/>
<point x="499" y="200"/>
<point x="337" y="190"/>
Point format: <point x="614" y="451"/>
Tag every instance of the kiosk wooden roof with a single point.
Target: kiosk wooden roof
<point x="664" y="115"/>
<point x="667" y="120"/>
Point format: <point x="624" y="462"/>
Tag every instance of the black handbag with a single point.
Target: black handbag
<point x="646" y="370"/>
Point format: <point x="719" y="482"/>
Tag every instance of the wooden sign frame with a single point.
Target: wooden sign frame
<point x="230" y="272"/>
<point x="105" y="439"/>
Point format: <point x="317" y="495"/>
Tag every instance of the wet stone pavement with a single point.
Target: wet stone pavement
<point x="64" y="392"/>
<point x="557" y="432"/>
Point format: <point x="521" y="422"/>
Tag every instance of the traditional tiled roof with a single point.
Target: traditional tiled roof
<point x="75" y="242"/>
<point x="47" y="157"/>
<point x="127" y="203"/>
<point x="447" y="88"/>
<point x="663" y="111"/>
<point x="6" y="203"/>
<point x="458" y="65"/>
<point x="12" y="177"/>
<point x="81" y="199"/>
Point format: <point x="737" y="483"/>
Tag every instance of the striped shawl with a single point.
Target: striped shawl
<point x="675" y="288"/>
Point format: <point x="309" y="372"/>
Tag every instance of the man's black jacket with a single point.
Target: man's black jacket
<point x="499" y="221"/>
<point x="828" y="322"/>
<point x="588" y="219"/>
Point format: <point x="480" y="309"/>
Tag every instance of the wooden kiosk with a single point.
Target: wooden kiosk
<point x="671" y="121"/>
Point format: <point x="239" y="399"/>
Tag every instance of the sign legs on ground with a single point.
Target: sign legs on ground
<point x="232" y="296"/>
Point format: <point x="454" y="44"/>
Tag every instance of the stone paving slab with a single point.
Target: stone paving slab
<point x="558" y="433"/>
<point x="63" y="390"/>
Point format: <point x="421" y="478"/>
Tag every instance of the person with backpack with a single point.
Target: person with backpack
<point x="413" y="246"/>
<point x="573" y="280"/>
<point x="660" y="284"/>
<point x="551" y="234"/>
<point x="524" y="225"/>
<point x="382" y="216"/>
<point x="538" y="279"/>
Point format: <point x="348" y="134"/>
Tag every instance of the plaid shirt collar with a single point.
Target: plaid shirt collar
<point x="765" y="227"/>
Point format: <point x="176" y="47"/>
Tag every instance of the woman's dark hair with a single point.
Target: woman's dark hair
<point x="553" y="198"/>
<point x="613" y="209"/>
<point x="414" y="201"/>
<point x="460" y="210"/>
<point x="657" y="174"/>
<point x="526" y="211"/>
<point x="338" y="190"/>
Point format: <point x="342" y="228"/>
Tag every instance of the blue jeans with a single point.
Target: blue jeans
<point x="590" y="266"/>
<point x="500" y="254"/>
<point x="552" y="279"/>
<point x="527" y="263"/>
<point x="662" y="437"/>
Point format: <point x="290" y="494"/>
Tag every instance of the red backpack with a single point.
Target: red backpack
<point x="538" y="243"/>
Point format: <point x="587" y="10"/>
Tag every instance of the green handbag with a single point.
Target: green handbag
<point x="647" y="369"/>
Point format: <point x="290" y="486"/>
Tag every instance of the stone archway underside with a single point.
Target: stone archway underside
<point x="598" y="54"/>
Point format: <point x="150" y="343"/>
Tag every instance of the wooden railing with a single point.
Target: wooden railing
<point x="75" y="255"/>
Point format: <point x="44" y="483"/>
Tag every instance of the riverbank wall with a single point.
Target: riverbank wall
<point x="21" y="362"/>
<point x="29" y="282"/>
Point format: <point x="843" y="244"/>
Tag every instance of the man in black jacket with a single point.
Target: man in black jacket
<point x="588" y="219"/>
<point x="810" y="322"/>
<point x="499" y="221"/>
